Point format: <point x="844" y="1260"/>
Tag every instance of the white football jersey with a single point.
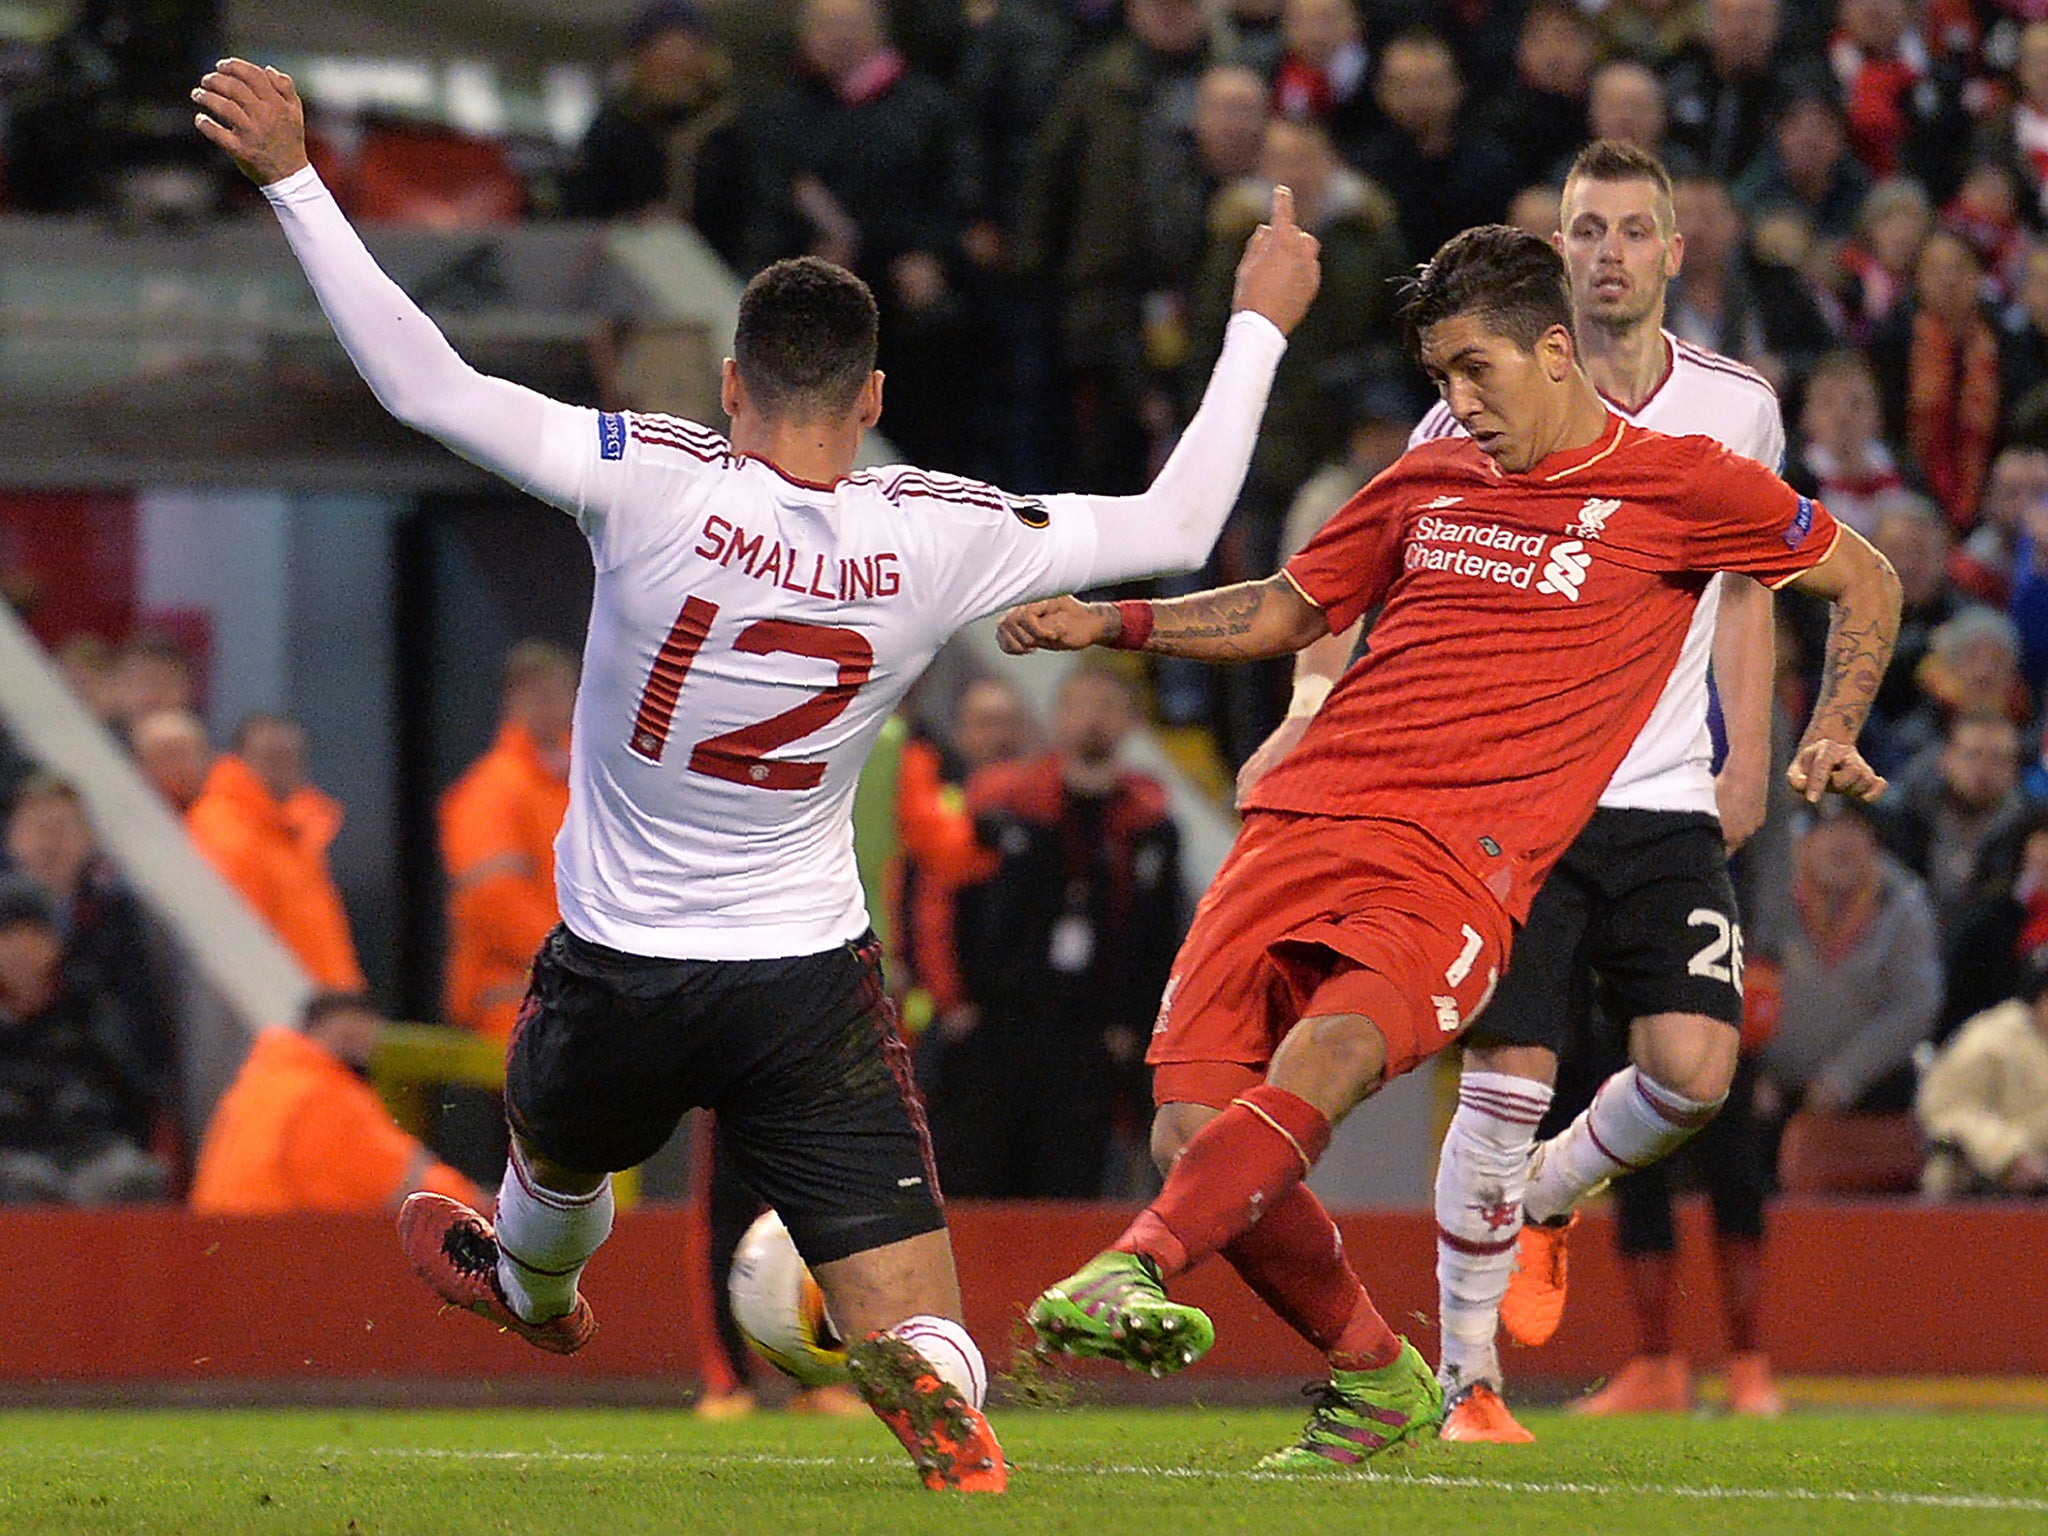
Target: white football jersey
<point x="1670" y="765"/>
<point x="749" y="636"/>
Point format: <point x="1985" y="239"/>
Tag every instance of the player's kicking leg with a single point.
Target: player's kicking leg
<point x="520" y="1272"/>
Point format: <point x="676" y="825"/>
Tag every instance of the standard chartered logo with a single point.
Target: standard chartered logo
<point x="1566" y="572"/>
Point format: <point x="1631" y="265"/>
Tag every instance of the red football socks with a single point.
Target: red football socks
<point x="1233" y="1172"/>
<point x="1293" y="1259"/>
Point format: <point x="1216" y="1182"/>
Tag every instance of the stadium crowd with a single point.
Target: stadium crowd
<point x="1048" y="198"/>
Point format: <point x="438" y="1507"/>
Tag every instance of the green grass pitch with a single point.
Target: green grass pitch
<point x="1092" y="1471"/>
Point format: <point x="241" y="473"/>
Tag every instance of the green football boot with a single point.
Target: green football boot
<point x="1363" y="1413"/>
<point x="1115" y="1308"/>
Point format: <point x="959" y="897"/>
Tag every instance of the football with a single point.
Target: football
<point x="779" y="1308"/>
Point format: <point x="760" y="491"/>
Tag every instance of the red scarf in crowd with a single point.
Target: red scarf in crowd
<point x="1952" y="411"/>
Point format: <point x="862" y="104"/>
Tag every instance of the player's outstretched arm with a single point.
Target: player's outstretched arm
<point x="1247" y="622"/>
<point x="1864" y="590"/>
<point x="1745" y="659"/>
<point x="1174" y="523"/>
<point x="253" y="114"/>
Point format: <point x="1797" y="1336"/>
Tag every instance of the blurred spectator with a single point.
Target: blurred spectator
<point x="1378" y="408"/>
<point x="1734" y="301"/>
<point x="108" y="126"/>
<point x="1983" y="1101"/>
<point x="1904" y="107"/>
<point x="666" y="138"/>
<point x="1537" y="210"/>
<point x="1444" y="171"/>
<point x="863" y="161"/>
<point x="1840" y="455"/>
<point x="1350" y="322"/>
<point x="1541" y="116"/>
<point x="151" y="672"/>
<point x="1861" y="974"/>
<point x="2023" y="351"/>
<point x="1950" y="803"/>
<point x="74" y="1111"/>
<point x="1626" y="103"/>
<point x="300" y="1128"/>
<point x="101" y="924"/>
<point x="174" y="754"/>
<point x="266" y="828"/>
<point x="2017" y="134"/>
<point x="1256" y="32"/>
<point x="1323" y="74"/>
<point x="498" y="826"/>
<point x="87" y="662"/>
<point x="1121" y="129"/>
<point x="1991" y="944"/>
<point x="1985" y="213"/>
<point x="937" y="852"/>
<point x="1909" y="532"/>
<point x="1879" y="262"/>
<point x="1723" y="90"/>
<point x="1971" y="668"/>
<point x="1937" y="367"/>
<point x="1807" y="164"/>
<point x="1064" y="949"/>
<point x="1652" y="31"/>
<point x="2018" y="482"/>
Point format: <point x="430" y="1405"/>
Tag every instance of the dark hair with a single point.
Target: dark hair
<point x="257" y="720"/>
<point x="1618" y="160"/>
<point x="1513" y="280"/>
<point x="805" y="343"/>
<point x="534" y="660"/>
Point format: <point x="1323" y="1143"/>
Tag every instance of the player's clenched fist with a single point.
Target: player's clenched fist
<point x="253" y="113"/>
<point x="1821" y="765"/>
<point x="1058" y="624"/>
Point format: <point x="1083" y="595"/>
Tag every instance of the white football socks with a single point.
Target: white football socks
<point x="1480" y="1178"/>
<point x="544" y="1240"/>
<point x="946" y="1345"/>
<point x="1632" y="1121"/>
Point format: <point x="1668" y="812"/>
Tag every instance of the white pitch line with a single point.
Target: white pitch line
<point x="1876" y="1496"/>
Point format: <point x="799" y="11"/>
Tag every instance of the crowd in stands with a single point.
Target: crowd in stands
<point x="1047" y="197"/>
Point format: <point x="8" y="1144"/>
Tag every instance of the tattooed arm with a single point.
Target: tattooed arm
<point x="1860" y="583"/>
<point x="1247" y="622"/>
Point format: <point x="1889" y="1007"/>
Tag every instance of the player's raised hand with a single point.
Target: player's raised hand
<point x="253" y="112"/>
<point x="1279" y="272"/>
<point x="1821" y="765"/>
<point x="1058" y="624"/>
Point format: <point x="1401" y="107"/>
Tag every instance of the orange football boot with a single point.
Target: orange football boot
<point x="455" y="1251"/>
<point x="945" y="1434"/>
<point x="1646" y="1384"/>
<point x="1478" y="1415"/>
<point x="1534" y="1303"/>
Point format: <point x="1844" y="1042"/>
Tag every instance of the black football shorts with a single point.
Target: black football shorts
<point x="799" y="1058"/>
<point x="1641" y="908"/>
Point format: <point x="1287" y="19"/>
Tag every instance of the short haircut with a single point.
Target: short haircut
<point x="152" y="645"/>
<point x="44" y="785"/>
<point x="1614" y="160"/>
<point x="805" y="343"/>
<point x="1842" y="363"/>
<point x="1514" y="281"/>
<point x="1974" y="625"/>
<point x="252" y="723"/>
<point x="531" y="660"/>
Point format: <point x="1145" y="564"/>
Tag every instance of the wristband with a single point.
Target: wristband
<point x="1310" y="689"/>
<point x="1136" y="618"/>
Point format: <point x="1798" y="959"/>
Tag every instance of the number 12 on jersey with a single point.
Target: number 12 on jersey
<point x="740" y="757"/>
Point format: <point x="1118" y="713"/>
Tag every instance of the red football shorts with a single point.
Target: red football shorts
<point x="1315" y="915"/>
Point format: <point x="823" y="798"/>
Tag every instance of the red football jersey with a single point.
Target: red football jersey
<point x="1529" y="622"/>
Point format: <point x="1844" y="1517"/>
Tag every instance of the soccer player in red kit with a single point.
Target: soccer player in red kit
<point x="1536" y="580"/>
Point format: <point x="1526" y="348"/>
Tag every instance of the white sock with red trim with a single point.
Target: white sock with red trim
<point x="1632" y="1121"/>
<point x="950" y="1350"/>
<point x="544" y="1240"/>
<point x="1479" y="1182"/>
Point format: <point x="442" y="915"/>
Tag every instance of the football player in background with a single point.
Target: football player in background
<point x="1539" y="576"/>
<point x="760" y="607"/>
<point x="1641" y="903"/>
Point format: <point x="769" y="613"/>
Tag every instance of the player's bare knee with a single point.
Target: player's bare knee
<point x="1532" y="1063"/>
<point x="1173" y="1127"/>
<point x="1334" y="1061"/>
<point x="551" y="1175"/>
<point x="1687" y="1053"/>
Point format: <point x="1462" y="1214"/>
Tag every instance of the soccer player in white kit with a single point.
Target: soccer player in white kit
<point x="1642" y="900"/>
<point x="760" y="608"/>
